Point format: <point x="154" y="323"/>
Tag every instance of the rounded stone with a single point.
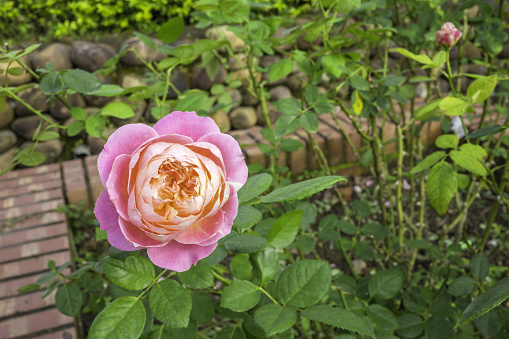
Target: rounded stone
<point x="146" y="53"/>
<point x="248" y="99"/>
<point x="90" y="56"/>
<point x="7" y="140"/>
<point x="222" y="121"/>
<point x="222" y="33"/>
<point x="6" y="158"/>
<point x="243" y="117"/>
<point x="131" y="80"/>
<point x="201" y="79"/>
<point x="280" y="92"/>
<point x="25" y="127"/>
<point x="99" y="101"/>
<point x="61" y="112"/>
<point x="35" y="98"/>
<point x="96" y="145"/>
<point x="179" y="80"/>
<point x="6" y="114"/>
<point x="274" y="114"/>
<point x="57" y="54"/>
<point x="14" y="80"/>
<point x="236" y="97"/>
<point x="51" y="149"/>
<point x="296" y="81"/>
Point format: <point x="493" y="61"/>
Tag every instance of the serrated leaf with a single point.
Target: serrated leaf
<point x="197" y="277"/>
<point x="479" y="266"/>
<point x="274" y="319"/>
<point x="427" y="162"/>
<point x="290" y="145"/>
<point x="241" y="267"/>
<point x="95" y="125"/>
<point x="493" y="129"/>
<point x="309" y="122"/>
<point x="230" y="332"/>
<point x="124" y="318"/>
<point x="288" y="106"/>
<point x="52" y="83"/>
<point x="280" y="69"/>
<point x="171" y="303"/>
<point x="78" y="113"/>
<point x="69" y="299"/>
<point x="75" y="128"/>
<point x="453" y="106"/>
<point x="265" y="265"/>
<point x="48" y="135"/>
<point x="441" y="186"/>
<point x="192" y="102"/>
<point x="81" y="81"/>
<point x="246" y="243"/>
<point x="304" y="283"/>
<point x="247" y="217"/>
<point x="481" y="88"/>
<point x="240" y="296"/>
<point x="170" y="31"/>
<point x="339" y="317"/>
<point x="447" y="141"/>
<point x="311" y="94"/>
<point x="382" y="317"/>
<point x="468" y="162"/>
<point x="331" y="62"/>
<point x="385" y="284"/>
<point x="118" y="110"/>
<point x="285" y="229"/>
<point x="421" y="58"/>
<point x="253" y="187"/>
<point x="461" y="286"/>
<point x="34" y="159"/>
<point x="428" y="111"/>
<point x="300" y="190"/>
<point x="475" y="151"/>
<point x="135" y="273"/>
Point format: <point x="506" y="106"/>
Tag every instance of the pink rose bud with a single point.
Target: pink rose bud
<point x="449" y="35"/>
<point x="171" y="188"/>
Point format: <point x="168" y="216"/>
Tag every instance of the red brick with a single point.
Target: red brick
<point x="297" y="160"/>
<point x="16" y="212"/>
<point x="36" y="233"/>
<point x="334" y="143"/>
<point x="312" y="163"/>
<point x="35" y="187"/>
<point x="255" y="133"/>
<point x="31" y="198"/>
<point x="68" y="333"/>
<point x="22" y="181"/>
<point x="24" y="303"/>
<point x="35" y="322"/>
<point x="95" y="181"/>
<point x="32" y="265"/>
<point x="9" y="288"/>
<point x="30" y="171"/>
<point x="34" y="248"/>
<point x="34" y="220"/>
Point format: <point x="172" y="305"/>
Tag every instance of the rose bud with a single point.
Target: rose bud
<point x="449" y="35"/>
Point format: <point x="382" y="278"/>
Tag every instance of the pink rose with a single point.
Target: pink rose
<point x="171" y="188"/>
<point x="449" y="35"/>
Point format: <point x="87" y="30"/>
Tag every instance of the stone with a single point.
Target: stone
<point x="99" y="101"/>
<point x="305" y="45"/>
<point x="51" y="149"/>
<point x="475" y="69"/>
<point x="131" y="80"/>
<point x="274" y="114"/>
<point x="421" y="90"/>
<point x="279" y="82"/>
<point x="243" y="117"/>
<point x="222" y="121"/>
<point x="14" y="80"/>
<point x="201" y="79"/>
<point x="25" y="127"/>
<point x="61" y="112"/>
<point x="57" y="54"/>
<point x="35" y="98"/>
<point x="146" y="53"/>
<point x="222" y="33"/>
<point x="268" y="60"/>
<point x="179" y="80"/>
<point x="96" y="145"/>
<point x="248" y="99"/>
<point x="359" y="266"/>
<point x="280" y="35"/>
<point x="239" y="62"/>
<point x="138" y="107"/>
<point x="505" y="52"/>
<point x="296" y="81"/>
<point x="280" y="92"/>
<point x="244" y="77"/>
<point x="90" y="56"/>
<point x="6" y="158"/>
<point x="6" y="114"/>
<point x="472" y="51"/>
<point x="7" y="140"/>
<point x="236" y="97"/>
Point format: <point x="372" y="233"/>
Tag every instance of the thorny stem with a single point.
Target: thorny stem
<point x="399" y="202"/>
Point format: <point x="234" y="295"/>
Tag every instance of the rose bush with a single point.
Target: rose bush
<point x="171" y="188"/>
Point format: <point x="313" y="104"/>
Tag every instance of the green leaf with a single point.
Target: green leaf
<point x="240" y="296"/>
<point x="382" y="317"/>
<point x="421" y="58"/>
<point x="29" y="288"/>
<point x="265" y="265"/>
<point x="461" y="286"/>
<point x="427" y="162"/>
<point x="331" y="62"/>
<point x="359" y="83"/>
<point x="447" y="141"/>
<point x="339" y="317"/>
<point x="323" y="106"/>
<point x="241" y="267"/>
<point x="280" y="69"/>
<point x="135" y="273"/>
<point x="231" y="332"/>
<point x="48" y="135"/>
<point x="427" y="111"/>
<point x="109" y="91"/>
<point x="247" y="217"/>
<point x="274" y="319"/>
<point x="197" y="277"/>
<point x="441" y="186"/>
<point x="34" y="159"/>
<point x="311" y="94"/>
<point x="309" y="122"/>
<point x="171" y="303"/>
<point x="304" y="283"/>
<point x="95" y="125"/>
<point x="52" y="83"/>
<point x="253" y="187"/>
<point x="290" y="145"/>
<point x="78" y="113"/>
<point x="410" y="325"/>
<point x="468" y="162"/>
<point x="124" y="318"/>
<point x="286" y="124"/>
<point x="203" y="307"/>
<point x="376" y="230"/>
<point x="75" y="128"/>
<point x="171" y="30"/>
<point x="16" y="71"/>
<point x="439" y="328"/>
<point x="81" y="81"/>
<point x="385" y="284"/>
<point x="246" y="243"/>
<point x="453" y="106"/>
<point x="288" y="106"/>
<point x="481" y="88"/>
<point x="475" y="151"/>
<point x="301" y="190"/>
<point x="363" y="251"/>
<point x="69" y="299"/>
<point x="493" y="129"/>
<point x="192" y="102"/>
<point x="285" y="229"/>
<point x="479" y="266"/>
<point x="118" y="110"/>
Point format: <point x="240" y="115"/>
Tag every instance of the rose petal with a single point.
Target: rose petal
<point x="108" y="220"/>
<point x="202" y="230"/>
<point x="137" y="236"/>
<point x="229" y="209"/>
<point x="179" y="257"/>
<point x="186" y="123"/>
<point x="235" y="165"/>
<point x="117" y="184"/>
<point x="124" y="140"/>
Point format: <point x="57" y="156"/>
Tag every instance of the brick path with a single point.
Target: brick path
<point x="33" y="232"/>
